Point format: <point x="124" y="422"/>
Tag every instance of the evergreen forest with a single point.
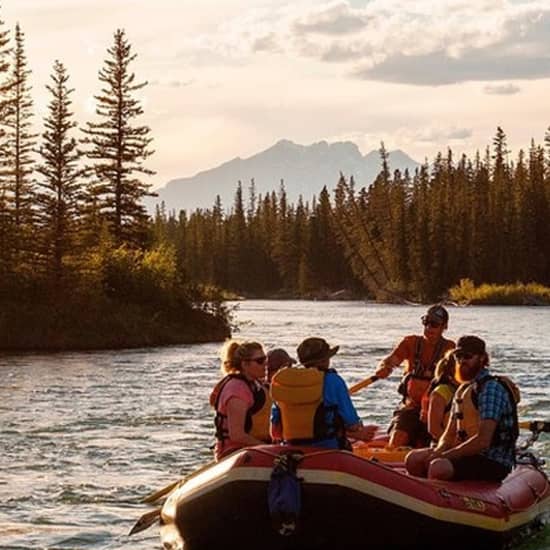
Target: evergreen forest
<point x="404" y="237"/>
<point x="83" y="265"/>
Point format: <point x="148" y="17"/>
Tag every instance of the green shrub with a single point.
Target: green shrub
<point x="492" y="294"/>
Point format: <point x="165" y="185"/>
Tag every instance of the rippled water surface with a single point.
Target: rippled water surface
<point x="85" y="435"/>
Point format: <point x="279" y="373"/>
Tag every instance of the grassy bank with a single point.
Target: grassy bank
<point x="517" y="294"/>
<point x="104" y="324"/>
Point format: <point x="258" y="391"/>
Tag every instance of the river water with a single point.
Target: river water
<point x="84" y="436"/>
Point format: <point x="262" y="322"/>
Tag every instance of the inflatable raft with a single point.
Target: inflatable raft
<point x="348" y="501"/>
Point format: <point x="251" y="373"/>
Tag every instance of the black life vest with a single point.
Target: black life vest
<point x="257" y="416"/>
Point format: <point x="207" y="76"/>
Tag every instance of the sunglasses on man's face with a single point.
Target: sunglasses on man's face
<point x="259" y="360"/>
<point x="431" y="324"/>
<point x="463" y="356"/>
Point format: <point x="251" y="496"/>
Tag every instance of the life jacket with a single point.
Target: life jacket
<point x="418" y="376"/>
<point x="257" y="416"/>
<point x="446" y="390"/>
<point x="298" y="392"/>
<point x="466" y="413"/>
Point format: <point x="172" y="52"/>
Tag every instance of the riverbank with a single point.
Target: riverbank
<point x="105" y="324"/>
<point x="463" y="294"/>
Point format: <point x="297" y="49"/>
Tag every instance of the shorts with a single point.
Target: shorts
<point x="479" y="468"/>
<point x="408" y="420"/>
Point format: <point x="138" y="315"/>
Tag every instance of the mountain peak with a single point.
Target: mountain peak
<point x="305" y="169"/>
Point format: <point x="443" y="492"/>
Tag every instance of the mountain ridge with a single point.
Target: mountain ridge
<point x="304" y="169"/>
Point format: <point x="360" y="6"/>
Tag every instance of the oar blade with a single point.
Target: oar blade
<point x="145" y="521"/>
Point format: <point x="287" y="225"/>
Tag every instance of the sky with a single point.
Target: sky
<point x="229" y="78"/>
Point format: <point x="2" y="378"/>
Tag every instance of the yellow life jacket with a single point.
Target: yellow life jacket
<point x="446" y="390"/>
<point x="465" y="408"/>
<point x="261" y="417"/>
<point x="257" y="416"/>
<point x="298" y="392"/>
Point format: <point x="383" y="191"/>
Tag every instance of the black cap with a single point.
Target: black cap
<point x="436" y="313"/>
<point x="278" y="357"/>
<point x="314" y="349"/>
<point x="470" y="344"/>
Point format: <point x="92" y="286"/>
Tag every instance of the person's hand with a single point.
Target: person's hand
<point x="383" y="371"/>
<point x="364" y="433"/>
<point x="369" y="431"/>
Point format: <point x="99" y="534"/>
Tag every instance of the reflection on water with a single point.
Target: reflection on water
<point x="86" y="435"/>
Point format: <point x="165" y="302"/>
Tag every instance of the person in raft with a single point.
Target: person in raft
<point x="277" y="359"/>
<point x="480" y="438"/>
<point x="311" y="402"/>
<point x="436" y="402"/>
<point x="240" y="398"/>
<point x="420" y="353"/>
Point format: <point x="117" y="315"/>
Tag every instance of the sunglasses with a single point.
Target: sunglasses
<point x="432" y="324"/>
<point x="463" y="356"/>
<point x="259" y="360"/>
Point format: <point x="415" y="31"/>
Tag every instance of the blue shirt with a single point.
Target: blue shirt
<point x="494" y="403"/>
<point x="337" y="400"/>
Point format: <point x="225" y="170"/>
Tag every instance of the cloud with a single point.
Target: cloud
<point x="436" y="134"/>
<point x="420" y="43"/>
<point x="501" y="89"/>
<point x="333" y="19"/>
<point x="172" y="83"/>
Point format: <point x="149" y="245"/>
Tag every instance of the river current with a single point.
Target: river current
<point x="84" y="436"/>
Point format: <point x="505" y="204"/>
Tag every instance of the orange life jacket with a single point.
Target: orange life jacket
<point x="418" y="376"/>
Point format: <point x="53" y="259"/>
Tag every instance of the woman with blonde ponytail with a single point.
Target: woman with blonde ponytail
<point x="240" y="399"/>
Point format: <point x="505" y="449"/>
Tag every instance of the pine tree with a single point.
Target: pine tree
<point x="5" y="82"/>
<point x="61" y="194"/>
<point x="119" y="148"/>
<point x="6" y="228"/>
<point x="18" y="161"/>
<point x="237" y="243"/>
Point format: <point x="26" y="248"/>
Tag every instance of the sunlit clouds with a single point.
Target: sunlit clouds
<point x="231" y="78"/>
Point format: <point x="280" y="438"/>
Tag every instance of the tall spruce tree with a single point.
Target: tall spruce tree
<point x="61" y="185"/>
<point x="119" y="148"/>
<point x="18" y="147"/>
<point x="6" y="230"/>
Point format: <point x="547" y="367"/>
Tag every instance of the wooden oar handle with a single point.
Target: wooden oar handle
<point x="363" y="384"/>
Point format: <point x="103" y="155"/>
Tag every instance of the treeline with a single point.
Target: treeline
<point x="79" y="266"/>
<point x="404" y="237"/>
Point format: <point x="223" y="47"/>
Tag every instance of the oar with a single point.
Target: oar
<point x="149" y="518"/>
<point x="363" y="384"/>
<point x="145" y="521"/>
<point x="153" y="497"/>
<point x="539" y="426"/>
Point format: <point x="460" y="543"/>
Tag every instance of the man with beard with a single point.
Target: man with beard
<point x="480" y="437"/>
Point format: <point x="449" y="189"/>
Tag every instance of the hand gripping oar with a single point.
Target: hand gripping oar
<point x="363" y="384"/>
